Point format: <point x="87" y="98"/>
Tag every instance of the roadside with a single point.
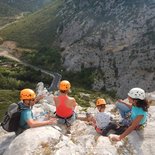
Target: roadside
<point x="6" y="52"/>
<point x="6" y="21"/>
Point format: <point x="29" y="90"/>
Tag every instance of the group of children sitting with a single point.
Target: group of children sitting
<point x="134" y="115"/>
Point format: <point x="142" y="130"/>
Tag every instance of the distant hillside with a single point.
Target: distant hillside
<point x="13" y="7"/>
<point x="11" y="10"/>
<point x="37" y="29"/>
<point x="114" y="39"/>
<point x="6" y="10"/>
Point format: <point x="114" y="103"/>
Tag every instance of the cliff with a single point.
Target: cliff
<point x="82" y="139"/>
<point x="116" y="38"/>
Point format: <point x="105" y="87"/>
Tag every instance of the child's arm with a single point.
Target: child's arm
<point x="38" y="98"/>
<point x="126" y="103"/>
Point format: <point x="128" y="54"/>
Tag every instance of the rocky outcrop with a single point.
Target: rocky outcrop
<point x="114" y="38"/>
<point x="82" y="140"/>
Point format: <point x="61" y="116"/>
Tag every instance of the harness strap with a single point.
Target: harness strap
<point x="64" y="117"/>
<point x="66" y="120"/>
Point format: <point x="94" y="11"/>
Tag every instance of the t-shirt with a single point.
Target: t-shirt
<point x="26" y="114"/>
<point x="136" y="111"/>
<point x="103" y="119"/>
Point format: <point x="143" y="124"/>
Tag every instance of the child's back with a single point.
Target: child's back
<point x="103" y="119"/>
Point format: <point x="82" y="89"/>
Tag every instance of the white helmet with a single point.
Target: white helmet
<point x="137" y="93"/>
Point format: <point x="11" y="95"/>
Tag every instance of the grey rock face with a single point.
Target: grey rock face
<point x="116" y="38"/>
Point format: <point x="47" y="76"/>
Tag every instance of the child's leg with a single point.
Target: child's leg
<point x="120" y="130"/>
<point x="123" y="109"/>
<point x="110" y="126"/>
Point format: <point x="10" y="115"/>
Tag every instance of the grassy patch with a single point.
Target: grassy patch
<point x="7" y="10"/>
<point x="15" y="76"/>
<point x="6" y="98"/>
<point x="93" y="96"/>
<point x="45" y="58"/>
<point x="5" y="20"/>
<point x="11" y="8"/>
<point x="83" y="78"/>
<point x="35" y="30"/>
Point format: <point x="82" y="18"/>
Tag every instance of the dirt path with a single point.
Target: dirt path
<point x="6" y="53"/>
<point x="16" y="19"/>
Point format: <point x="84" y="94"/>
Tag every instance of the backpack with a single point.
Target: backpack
<point x="11" y="118"/>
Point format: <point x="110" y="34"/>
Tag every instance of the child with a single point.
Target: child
<point x="66" y="106"/>
<point x="101" y="119"/>
<point x="28" y="99"/>
<point x="138" y="109"/>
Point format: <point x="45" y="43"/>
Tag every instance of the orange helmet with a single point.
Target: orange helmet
<point x="27" y="94"/>
<point x="64" y="85"/>
<point x="100" y="101"/>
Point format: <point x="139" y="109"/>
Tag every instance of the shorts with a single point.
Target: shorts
<point x="67" y="121"/>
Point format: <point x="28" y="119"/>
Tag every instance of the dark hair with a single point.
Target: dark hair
<point x="142" y="103"/>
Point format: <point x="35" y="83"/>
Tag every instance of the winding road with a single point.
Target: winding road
<point x="5" y="52"/>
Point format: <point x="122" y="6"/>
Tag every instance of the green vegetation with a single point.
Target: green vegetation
<point x="6" y="98"/>
<point x="15" y="76"/>
<point x="45" y="58"/>
<point x="50" y="59"/>
<point x="35" y="30"/>
<point x="11" y="8"/>
<point x="6" y="10"/>
<point x="39" y="31"/>
<point x="84" y="101"/>
<point x="83" y="78"/>
<point x="6" y="20"/>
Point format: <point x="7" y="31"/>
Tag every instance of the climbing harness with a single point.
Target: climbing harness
<point x="68" y="124"/>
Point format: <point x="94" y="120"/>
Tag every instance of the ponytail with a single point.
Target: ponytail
<point x="142" y="103"/>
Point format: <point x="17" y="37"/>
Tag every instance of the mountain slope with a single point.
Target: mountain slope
<point x="114" y="38"/>
<point x="35" y="30"/>
<point x="6" y="10"/>
<point x="13" y="7"/>
<point x="117" y="39"/>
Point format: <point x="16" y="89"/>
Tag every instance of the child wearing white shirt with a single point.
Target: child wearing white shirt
<point x="102" y="119"/>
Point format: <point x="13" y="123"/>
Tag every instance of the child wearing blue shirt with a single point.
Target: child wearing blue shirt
<point x="28" y="99"/>
<point x="138" y="109"/>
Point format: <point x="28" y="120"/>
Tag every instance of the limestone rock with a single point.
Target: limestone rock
<point x="114" y="38"/>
